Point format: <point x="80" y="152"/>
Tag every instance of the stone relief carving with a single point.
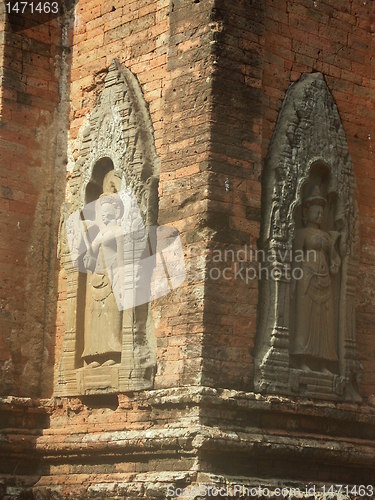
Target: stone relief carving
<point x="315" y="341"/>
<point x="104" y="257"/>
<point x="306" y="326"/>
<point x="108" y="348"/>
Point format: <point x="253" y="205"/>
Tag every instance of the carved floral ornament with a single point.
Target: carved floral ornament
<point x="306" y="338"/>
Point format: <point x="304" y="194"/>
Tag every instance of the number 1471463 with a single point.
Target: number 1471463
<point x="32" y="7"/>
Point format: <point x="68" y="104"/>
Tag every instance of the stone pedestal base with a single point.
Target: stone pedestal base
<point x="169" y="440"/>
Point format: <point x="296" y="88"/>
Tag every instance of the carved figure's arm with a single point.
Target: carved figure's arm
<point x="298" y="246"/>
<point x="92" y="250"/>
<point x="334" y="257"/>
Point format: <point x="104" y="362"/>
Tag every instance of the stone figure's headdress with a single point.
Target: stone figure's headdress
<point x="315" y="198"/>
<point x="114" y="199"/>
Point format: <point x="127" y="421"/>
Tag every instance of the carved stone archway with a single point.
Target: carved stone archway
<point x="308" y="149"/>
<point x="116" y="140"/>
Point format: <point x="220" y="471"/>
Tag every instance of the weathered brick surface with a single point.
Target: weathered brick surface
<point x="175" y="437"/>
<point x="30" y="94"/>
<point x="260" y="49"/>
<point x="233" y="212"/>
<point x="169" y="51"/>
<point x="214" y="74"/>
<point x="184" y="186"/>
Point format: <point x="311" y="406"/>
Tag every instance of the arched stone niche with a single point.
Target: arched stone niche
<point x="107" y="349"/>
<point x="309" y="236"/>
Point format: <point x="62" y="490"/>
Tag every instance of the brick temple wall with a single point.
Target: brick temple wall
<point x="214" y="74"/>
<point x="337" y="39"/>
<point x="30" y="176"/>
<point x="261" y="49"/>
<point x="230" y="68"/>
<point x="168" y="49"/>
<point x="241" y="61"/>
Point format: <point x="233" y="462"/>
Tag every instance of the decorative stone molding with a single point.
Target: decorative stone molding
<point x="308" y="164"/>
<point x="117" y="154"/>
<point x="192" y="431"/>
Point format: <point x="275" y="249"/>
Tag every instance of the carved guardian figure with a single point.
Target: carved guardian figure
<point x="108" y="347"/>
<point x="104" y="258"/>
<point x="305" y="343"/>
<point x="315" y="332"/>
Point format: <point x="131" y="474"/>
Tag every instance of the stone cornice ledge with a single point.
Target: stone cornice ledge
<point x="336" y="431"/>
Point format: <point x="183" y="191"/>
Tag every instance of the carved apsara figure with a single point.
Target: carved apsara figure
<point x="315" y="329"/>
<point x="104" y="258"/>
